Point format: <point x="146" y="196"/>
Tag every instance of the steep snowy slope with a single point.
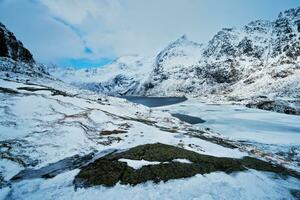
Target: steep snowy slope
<point x="174" y="69"/>
<point x="121" y="77"/>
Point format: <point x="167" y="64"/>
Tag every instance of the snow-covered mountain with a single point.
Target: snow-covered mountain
<point x="52" y="132"/>
<point x="260" y="59"/>
<point x="123" y="76"/>
<point x="174" y="72"/>
<point x="256" y="63"/>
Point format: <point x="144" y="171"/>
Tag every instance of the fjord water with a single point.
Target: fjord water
<point x="233" y="121"/>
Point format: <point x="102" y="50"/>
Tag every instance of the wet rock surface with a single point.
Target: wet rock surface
<point x="54" y="169"/>
<point x="59" y="167"/>
<point x="109" y="170"/>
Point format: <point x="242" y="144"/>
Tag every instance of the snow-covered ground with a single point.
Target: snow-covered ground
<point x="272" y="132"/>
<point x="39" y="127"/>
<point x="241" y="123"/>
<point x="251" y="185"/>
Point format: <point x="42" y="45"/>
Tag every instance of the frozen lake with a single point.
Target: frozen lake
<point x="241" y="123"/>
<point x="233" y="121"/>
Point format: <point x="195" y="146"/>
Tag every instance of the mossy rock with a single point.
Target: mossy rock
<point x="109" y="170"/>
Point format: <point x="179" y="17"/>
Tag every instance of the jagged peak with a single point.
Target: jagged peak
<point x="224" y="32"/>
<point x="262" y="26"/>
<point x="260" y="22"/>
<point x="293" y="12"/>
<point x="183" y="37"/>
<point x="183" y="40"/>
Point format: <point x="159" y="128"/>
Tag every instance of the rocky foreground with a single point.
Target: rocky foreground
<point x="161" y="162"/>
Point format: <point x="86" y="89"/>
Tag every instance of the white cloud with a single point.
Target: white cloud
<point x="142" y="26"/>
<point x="46" y="38"/>
<point x="55" y="29"/>
<point x="77" y="12"/>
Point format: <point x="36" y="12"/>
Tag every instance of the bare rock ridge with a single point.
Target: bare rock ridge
<point x="11" y="47"/>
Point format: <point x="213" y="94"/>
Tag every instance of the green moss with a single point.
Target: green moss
<point x="108" y="170"/>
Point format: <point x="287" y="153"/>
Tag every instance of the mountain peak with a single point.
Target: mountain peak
<point x="293" y="12"/>
<point x="184" y="37"/>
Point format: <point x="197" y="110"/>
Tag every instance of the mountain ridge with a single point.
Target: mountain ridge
<point x="237" y="65"/>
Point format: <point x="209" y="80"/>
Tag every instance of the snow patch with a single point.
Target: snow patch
<point x="182" y="160"/>
<point x="137" y="164"/>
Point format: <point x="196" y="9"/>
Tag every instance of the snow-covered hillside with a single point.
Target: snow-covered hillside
<point x="121" y="77"/>
<point x="49" y="130"/>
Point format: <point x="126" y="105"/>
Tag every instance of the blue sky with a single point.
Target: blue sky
<point x="85" y="33"/>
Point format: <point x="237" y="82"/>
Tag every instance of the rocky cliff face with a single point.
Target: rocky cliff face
<point x="12" y="48"/>
<point x="15" y="60"/>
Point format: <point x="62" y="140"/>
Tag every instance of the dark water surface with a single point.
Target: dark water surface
<point x="165" y="101"/>
<point x="155" y="101"/>
<point x="189" y="119"/>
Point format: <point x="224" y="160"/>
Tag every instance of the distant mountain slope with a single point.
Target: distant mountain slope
<point x="121" y="77"/>
<point x="260" y="59"/>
